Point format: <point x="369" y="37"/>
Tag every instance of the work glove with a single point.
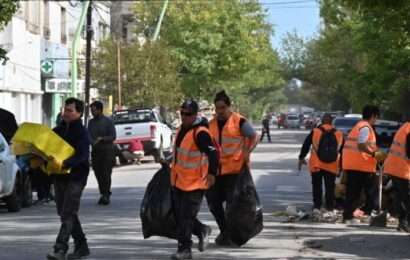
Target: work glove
<point x="380" y="156"/>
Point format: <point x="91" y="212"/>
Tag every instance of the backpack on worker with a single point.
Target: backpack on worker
<point x="328" y="149"/>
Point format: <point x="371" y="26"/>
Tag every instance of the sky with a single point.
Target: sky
<point x="290" y="15"/>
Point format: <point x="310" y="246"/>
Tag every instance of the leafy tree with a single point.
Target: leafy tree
<point x="7" y="9"/>
<point x="217" y="44"/>
<point x="149" y="74"/>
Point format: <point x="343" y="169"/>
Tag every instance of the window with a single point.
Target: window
<point x="32" y="16"/>
<point x="46" y="19"/>
<point x="63" y="26"/>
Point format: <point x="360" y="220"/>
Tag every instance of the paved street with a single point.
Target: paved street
<point x="114" y="232"/>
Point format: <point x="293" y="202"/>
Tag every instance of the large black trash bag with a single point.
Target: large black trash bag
<point x="157" y="214"/>
<point x="244" y="216"/>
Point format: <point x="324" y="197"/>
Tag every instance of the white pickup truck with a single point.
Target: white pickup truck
<point x="145" y="125"/>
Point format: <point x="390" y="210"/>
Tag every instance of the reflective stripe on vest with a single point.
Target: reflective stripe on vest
<point x="397" y="163"/>
<point x="190" y="167"/>
<point x="232" y="144"/>
<point x="353" y="158"/>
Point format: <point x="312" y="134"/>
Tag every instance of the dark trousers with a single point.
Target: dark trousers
<point x="102" y="163"/>
<point x="67" y="197"/>
<point x="186" y="206"/>
<point x="42" y="183"/>
<point x="402" y="192"/>
<point x="267" y="132"/>
<point x="356" y="182"/>
<point x="317" y="183"/>
<point x="219" y="193"/>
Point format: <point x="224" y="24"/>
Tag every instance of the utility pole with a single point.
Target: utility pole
<point x="119" y="73"/>
<point x="89" y="36"/>
<point x="161" y="17"/>
<point x="75" y="47"/>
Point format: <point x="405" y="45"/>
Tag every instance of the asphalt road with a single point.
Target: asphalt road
<point x="114" y="231"/>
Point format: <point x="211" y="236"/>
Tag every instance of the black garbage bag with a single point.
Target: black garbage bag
<point x="156" y="213"/>
<point x="244" y="215"/>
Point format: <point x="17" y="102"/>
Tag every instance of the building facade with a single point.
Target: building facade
<point x="37" y="77"/>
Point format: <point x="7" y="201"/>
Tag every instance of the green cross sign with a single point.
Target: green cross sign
<point x="47" y="66"/>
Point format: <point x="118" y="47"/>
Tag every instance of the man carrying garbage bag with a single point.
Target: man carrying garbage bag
<point x="69" y="187"/>
<point x="193" y="171"/>
<point x="237" y="139"/>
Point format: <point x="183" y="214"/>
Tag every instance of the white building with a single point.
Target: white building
<point x="20" y="82"/>
<point x="36" y="79"/>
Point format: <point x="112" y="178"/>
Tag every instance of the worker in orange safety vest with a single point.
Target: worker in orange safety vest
<point x="325" y="144"/>
<point x="193" y="169"/>
<point x="397" y="165"/>
<point x="237" y="139"/>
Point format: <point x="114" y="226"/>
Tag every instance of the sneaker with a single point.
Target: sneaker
<point x="181" y="255"/>
<point x="352" y="222"/>
<point x="59" y="255"/>
<point x="316" y="215"/>
<point x="203" y="240"/>
<point x="79" y="252"/>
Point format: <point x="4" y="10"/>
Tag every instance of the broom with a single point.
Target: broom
<point x="380" y="219"/>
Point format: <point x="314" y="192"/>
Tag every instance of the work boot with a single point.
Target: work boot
<point x="181" y="255"/>
<point x="203" y="239"/>
<point x="59" y="255"/>
<point x="223" y="241"/>
<point x="403" y="226"/>
<point x="104" y="200"/>
<point x="79" y="252"/>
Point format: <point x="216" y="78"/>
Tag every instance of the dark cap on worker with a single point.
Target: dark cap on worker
<point x="190" y="105"/>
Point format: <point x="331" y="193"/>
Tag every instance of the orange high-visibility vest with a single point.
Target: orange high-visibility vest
<point x="397" y="163"/>
<point x="232" y="144"/>
<point x="356" y="160"/>
<point x="189" y="168"/>
<point x="315" y="164"/>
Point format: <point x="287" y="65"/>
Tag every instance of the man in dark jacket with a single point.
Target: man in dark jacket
<point x="8" y="124"/>
<point x="102" y="133"/>
<point x="190" y="179"/>
<point x="68" y="188"/>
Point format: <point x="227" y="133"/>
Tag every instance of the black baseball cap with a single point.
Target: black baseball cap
<point x="190" y="105"/>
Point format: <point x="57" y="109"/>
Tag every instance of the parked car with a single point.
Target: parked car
<point x="15" y="186"/>
<point x="385" y="131"/>
<point x="145" y="125"/>
<point x="292" y="121"/>
<point x="345" y="124"/>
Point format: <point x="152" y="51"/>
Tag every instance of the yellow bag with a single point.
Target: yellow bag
<point x="41" y="141"/>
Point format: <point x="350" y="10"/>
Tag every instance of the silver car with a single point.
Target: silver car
<point x="292" y="121"/>
<point x="345" y="124"/>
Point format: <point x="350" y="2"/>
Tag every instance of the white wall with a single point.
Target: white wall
<point x="20" y="85"/>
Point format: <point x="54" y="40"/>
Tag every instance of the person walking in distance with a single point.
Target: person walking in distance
<point x="69" y="187"/>
<point x="237" y="139"/>
<point x="102" y="133"/>
<point x="265" y="127"/>
<point x="325" y="144"/>
<point x="193" y="170"/>
<point x="360" y="157"/>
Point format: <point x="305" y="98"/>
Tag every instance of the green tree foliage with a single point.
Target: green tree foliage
<point x="361" y="56"/>
<point x="149" y="74"/>
<point x="217" y="44"/>
<point x="7" y="9"/>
